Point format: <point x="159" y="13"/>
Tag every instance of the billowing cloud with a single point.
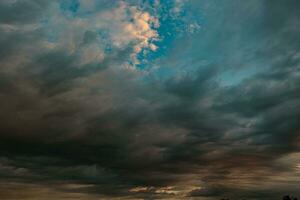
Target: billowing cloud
<point x="180" y="99"/>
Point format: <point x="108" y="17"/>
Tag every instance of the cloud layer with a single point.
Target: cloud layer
<point x="185" y="99"/>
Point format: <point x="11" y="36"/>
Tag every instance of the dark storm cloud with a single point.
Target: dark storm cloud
<point x="20" y="12"/>
<point x="205" y="192"/>
<point x="97" y="124"/>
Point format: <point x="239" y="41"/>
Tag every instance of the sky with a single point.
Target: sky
<point x="149" y="99"/>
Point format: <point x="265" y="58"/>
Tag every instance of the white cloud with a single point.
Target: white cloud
<point x="127" y="26"/>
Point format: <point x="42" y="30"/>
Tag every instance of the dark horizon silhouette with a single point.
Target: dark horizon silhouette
<point x="286" y="197"/>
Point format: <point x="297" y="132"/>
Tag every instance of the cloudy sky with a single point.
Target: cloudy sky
<point x="149" y="99"/>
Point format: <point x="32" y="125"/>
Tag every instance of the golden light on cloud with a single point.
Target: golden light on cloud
<point x="140" y="189"/>
<point x="167" y="190"/>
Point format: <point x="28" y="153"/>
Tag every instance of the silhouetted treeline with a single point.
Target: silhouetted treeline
<point x="287" y="197"/>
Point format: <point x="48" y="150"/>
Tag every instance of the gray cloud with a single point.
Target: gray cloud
<point x="109" y="131"/>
